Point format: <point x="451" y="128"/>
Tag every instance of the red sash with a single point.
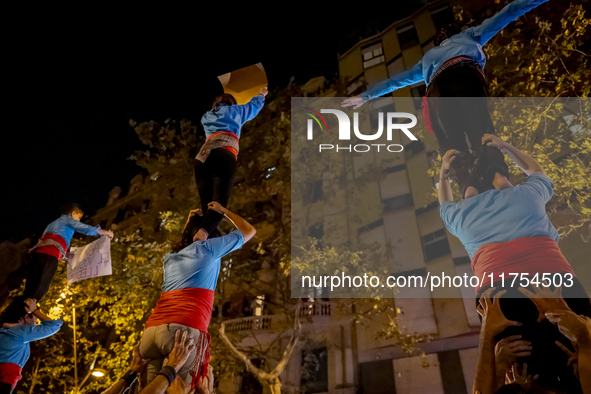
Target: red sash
<point x="531" y="255"/>
<point x="10" y="373"/>
<point x="191" y="308"/>
<point x="50" y="249"/>
<point x="228" y="148"/>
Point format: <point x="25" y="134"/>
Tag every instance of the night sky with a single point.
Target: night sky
<point x="73" y="84"/>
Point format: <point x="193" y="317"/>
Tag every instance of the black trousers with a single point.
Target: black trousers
<point x="5" y="388"/>
<point x="215" y="180"/>
<point x="41" y="269"/>
<point x="458" y="109"/>
<point x="546" y="359"/>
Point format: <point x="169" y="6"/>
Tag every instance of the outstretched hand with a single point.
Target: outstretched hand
<point x="446" y="161"/>
<point x="573" y="357"/>
<point x="30" y="305"/>
<point x="183" y="347"/>
<point x="264" y="91"/>
<point x="507" y="350"/>
<point x="546" y="299"/>
<point x="138" y="364"/>
<point x="216" y="206"/>
<point x="493" y="320"/>
<point x="493" y="140"/>
<point x="355" y="101"/>
<point x="577" y="328"/>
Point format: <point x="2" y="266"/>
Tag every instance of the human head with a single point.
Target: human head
<point x="225" y="98"/>
<point x="16" y="313"/>
<point x="73" y="210"/>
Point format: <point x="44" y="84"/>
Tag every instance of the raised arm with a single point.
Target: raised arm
<point x="525" y="162"/>
<point x="496" y="23"/>
<point x="444" y="193"/>
<point x="85" y="228"/>
<point x="405" y="78"/>
<point x="250" y="110"/>
<point x="247" y="230"/>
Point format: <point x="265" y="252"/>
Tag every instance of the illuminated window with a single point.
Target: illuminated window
<point x="372" y="55"/>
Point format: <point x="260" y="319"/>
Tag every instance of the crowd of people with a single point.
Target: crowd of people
<point x="532" y="340"/>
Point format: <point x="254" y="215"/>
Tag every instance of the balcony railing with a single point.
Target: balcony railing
<point x="315" y="309"/>
<point x="251" y="323"/>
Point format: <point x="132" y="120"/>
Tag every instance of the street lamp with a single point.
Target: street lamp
<point x="98" y="372"/>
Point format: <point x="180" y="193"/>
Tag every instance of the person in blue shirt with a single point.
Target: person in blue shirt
<point x="191" y="273"/>
<point x="215" y="164"/>
<point x="19" y="328"/>
<point x="52" y="246"/>
<point x="454" y="68"/>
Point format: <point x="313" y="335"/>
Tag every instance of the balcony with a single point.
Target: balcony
<point x="315" y="308"/>
<point x="251" y="323"/>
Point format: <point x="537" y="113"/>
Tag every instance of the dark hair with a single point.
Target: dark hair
<point x="192" y="228"/>
<point x="71" y="207"/>
<point x="15" y="311"/>
<point x="225" y="98"/>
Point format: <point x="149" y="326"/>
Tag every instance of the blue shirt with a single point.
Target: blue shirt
<point x="501" y="215"/>
<point x="198" y="265"/>
<point x="65" y="226"/>
<point x="14" y="341"/>
<point x="232" y="117"/>
<point x="467" y="43"/>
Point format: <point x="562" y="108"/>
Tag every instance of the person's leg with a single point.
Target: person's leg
<point x="41" y="269"/>
<point x="149" y="349"/>
<point x="223" y="172"/>
<point x="5" y="388"/>
<point x="204" y="181"/>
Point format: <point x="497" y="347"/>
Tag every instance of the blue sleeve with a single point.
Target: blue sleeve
<point x="540" y="185"/>
<point x="251" y="110"/>
<point x="450" y="215"/>
<point x="405" y="78"/>
<point x="496" y="23"/>
<point x="41" y="331"/>
<point x="221" y="246"/>
<point x="81" y="227"/>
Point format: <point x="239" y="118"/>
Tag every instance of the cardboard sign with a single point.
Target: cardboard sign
<point x="90" y="261"/>
<point x="245" y="83"/>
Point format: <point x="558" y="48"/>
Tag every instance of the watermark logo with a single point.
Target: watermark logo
<point x="390" y="119"/>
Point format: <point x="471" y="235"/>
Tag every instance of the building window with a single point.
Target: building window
<point x="314" y="192"/>
<point x="259" y="305"/>
<point x="435" y="245"/>
<point x="372" y="54"/>
<point x="316" y="231"/>
<point x="314" y="374"/>
<point x="398" y="203"/>
<point x="407" y="36"/>
<point x="413" y="148"/>
<point x="442" y="16"/>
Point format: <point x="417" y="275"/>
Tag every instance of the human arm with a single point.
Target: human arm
<point x="138" y="364"/>
<point x="81" y="227"/>
<point x="444" y="193"/>
<point x="31" y="307"/>
<point x="247" y="230"/>
<point x="250" y="110"/>
<point x="405" y="78"/>
<point x="528" y="164"/>
<point x="176" y="359"/>
<point x="105" y="232"/>
<point x="491" y="26"/>
<point x="507" y="350"/>
<point x="493" y="323"/>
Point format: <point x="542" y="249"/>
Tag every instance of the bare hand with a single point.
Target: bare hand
<point x="523" y="379"/>
<point x="507" y="350"/>
<point x="216" y="206"/>
<point x="138" y="364"/>
<point x="30" y="305"/>
<point x="575" y="327"/>
<point x="178" y="386"/>
<point x="493" y="140"/>
<point x="446" y="161"/>
<point x="546" y="299"/>
<point x="355" y="101"/>
<point x="493" y="320"/>
<point x="181" y="351"/>
<point x="206" y="384"/>
<point x="573" y="357"/>
<point x="194" y="212"/>
<point x="264" y="91"/>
